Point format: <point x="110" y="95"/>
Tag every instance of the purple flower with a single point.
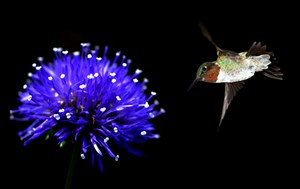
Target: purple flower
<point x="88" y="99"/>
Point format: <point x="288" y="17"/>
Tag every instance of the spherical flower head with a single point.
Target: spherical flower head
<point x="89" y="99"/>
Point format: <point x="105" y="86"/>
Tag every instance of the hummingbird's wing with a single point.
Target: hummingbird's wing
<point x="220" y="51"/>
<point x="207" y="35"/>
<point x="230" y="91"/>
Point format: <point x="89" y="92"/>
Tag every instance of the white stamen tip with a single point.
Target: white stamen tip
<point x="102" y="109"/>
<point x="124" y="64"/>
<point x="76" y="53"/>
<point x="118" y="98"/>
<point x="89" y="56"/>
<point x="82" y="86"/>
<point x="113" y="80"/>
<point x="138" y="71"/>
<point x="117" y="158"/>
<point x="25" y="86"/>
<point x="29" y="97"/>
<point x="85" y="44"/>
<point x="50" y="78"/>
<point x="82" y="156"/>
<point x="115" y="129"/>
<point x="153" y="93"/>
<point x="90" y="76"/>
<point x="112" y="74"/>
<point x="65" y="52"/>
<point x="62" y="76"/>
<point x="151" y="115"/>
<point x="57" y="49"/>
<point x="146" y="80"/>
<point x="135" y="80"/>
<point x="68" y="115"/>
<point x="56" y="116"/>
<point x="143" y="133"/>
<point x="61" y="110"/>
<point x="33" y="64"/>
<point x="146" y="105"/>
<point x="106" y="139"/>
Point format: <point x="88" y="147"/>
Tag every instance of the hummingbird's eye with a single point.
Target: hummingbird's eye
<point x="204" y="69"/>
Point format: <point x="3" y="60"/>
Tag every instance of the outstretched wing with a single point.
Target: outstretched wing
<point x="230" y="91"/>
<point x="220" y="51"/>
<point x="207" y="35"/>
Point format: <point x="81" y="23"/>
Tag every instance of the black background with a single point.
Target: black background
<point x="257" y="143"/>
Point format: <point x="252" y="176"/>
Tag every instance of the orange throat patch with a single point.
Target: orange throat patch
<point x="211" y="75"/>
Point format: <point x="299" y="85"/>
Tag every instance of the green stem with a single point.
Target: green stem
<point x="72" y="165"/>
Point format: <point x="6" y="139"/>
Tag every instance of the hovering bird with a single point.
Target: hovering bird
<point x="233" y="68"/>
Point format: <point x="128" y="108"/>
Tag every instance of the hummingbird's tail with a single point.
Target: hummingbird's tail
<point x="273" y="72"/>
<point x="267" y="62"/>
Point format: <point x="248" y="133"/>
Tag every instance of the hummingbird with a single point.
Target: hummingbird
<point x="234" y="68"/>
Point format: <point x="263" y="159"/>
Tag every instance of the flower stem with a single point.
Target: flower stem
<point x="72" y="165"/>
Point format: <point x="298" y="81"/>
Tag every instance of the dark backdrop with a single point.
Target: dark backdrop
<point x="257" y="143"/>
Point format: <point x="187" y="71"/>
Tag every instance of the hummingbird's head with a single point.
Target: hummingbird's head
<point x="207" y="72"/>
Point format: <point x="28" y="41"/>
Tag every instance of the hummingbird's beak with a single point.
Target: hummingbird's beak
<point x="192" y="84"/>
